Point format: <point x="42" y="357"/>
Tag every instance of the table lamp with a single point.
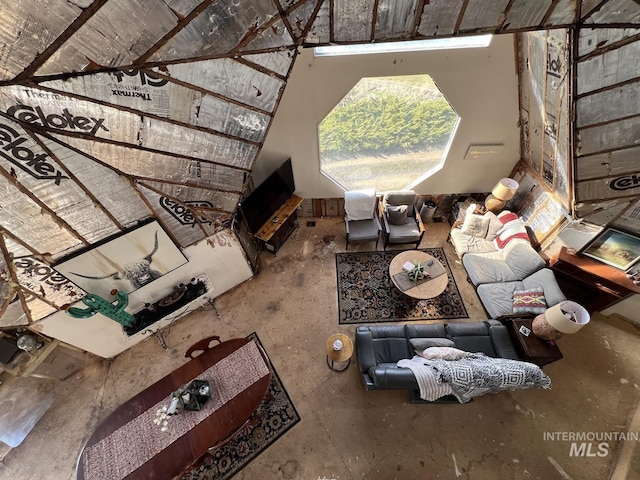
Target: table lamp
<point x="504" y="190"/>
<point x="564" y="318"/>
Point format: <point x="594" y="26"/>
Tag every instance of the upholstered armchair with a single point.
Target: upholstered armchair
<point x="360" y="217"/>
<point x="401" y="220"/>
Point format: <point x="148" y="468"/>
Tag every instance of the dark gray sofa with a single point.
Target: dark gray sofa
<point x="379" y="347"/>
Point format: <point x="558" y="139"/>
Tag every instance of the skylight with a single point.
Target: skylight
<point x="478" y="41"/>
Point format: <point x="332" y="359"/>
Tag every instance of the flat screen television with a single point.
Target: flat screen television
<point x="268" y="197"/>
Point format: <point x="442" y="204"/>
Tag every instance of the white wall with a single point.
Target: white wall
<point x="480" y="83"/>
<point x="220" y="258"/>
<point x="628" y="308"/>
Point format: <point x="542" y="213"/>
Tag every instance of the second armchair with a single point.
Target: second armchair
<point x="400" y="218"/>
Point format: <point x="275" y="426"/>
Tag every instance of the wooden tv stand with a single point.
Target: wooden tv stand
<point x="590" y="283"/>
<point x="277" y="229"/>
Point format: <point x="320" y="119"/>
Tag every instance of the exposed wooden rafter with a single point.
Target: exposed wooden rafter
<point x="549" y="11"/>
<point x="70" y="174"/>
<point x="121" y="144"/>
<point x="183" y="22"/>
<point x="595" y="9"/>
<point x="58" y="42"/>
<point x="151" y="115"/>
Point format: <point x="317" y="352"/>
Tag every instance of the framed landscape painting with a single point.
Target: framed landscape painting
<point x="126" y="262"/>
<point x="615" y="248"/>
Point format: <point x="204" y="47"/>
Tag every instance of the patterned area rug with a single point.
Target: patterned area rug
<point x="276" y="414"/>
<point x="366" y="293"/>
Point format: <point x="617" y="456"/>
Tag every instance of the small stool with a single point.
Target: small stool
<point x="339" y="349"/>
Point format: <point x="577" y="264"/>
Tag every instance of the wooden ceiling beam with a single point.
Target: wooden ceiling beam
<point x="504" y="15"/>
<point x="78" y="23"/>
<point x="283" y="15"/>
<point x="312" y="19"/>
<point x="137" y="147"/>
<point x="14" y="284"/>
<point x="550" y="10"/>
<point x="183" y="22"/>
<point x="159" y="118"/>
<point x="418" y="19"/>
<point x="87" y="192"/>
<point x="166" y="228"/>
<point x="140" y="178"/>
<point x="463" y="9"/>
<point x="175" y="199"/>
<point x="595" y="9"/>
<point x="43" y="206"/>
<point x="374" y="20"/>
<point x="609" y="47"/>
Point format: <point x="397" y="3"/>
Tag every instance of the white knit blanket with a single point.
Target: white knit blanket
<point x="425" y="375"/>
<point x="359" y="204"/>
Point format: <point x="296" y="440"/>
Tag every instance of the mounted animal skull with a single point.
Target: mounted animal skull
<point x="139" y="272"/>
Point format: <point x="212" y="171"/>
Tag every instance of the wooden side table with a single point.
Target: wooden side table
<point x="341" y="355"/>
<point x="531" y="348"/>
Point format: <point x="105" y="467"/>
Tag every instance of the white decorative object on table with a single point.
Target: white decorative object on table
<point x="407" y="266"/>
<point x="162" y="419"/>
<point x="173" y="407"/>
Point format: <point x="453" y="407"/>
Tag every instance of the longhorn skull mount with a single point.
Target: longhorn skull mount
<point x="138" y="272"/>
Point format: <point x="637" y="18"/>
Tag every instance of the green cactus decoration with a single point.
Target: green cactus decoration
<point x="115" y="311"/>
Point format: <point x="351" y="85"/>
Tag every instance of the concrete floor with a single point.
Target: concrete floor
<point x="346" y="432"/>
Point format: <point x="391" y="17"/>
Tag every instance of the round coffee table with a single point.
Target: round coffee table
<point x="429" y="289"/>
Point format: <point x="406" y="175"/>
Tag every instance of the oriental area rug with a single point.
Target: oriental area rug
<point x="366" y="293"/>
<point x="276" y="415"/>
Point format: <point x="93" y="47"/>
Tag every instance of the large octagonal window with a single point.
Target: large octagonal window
<point x="387" y="133"/>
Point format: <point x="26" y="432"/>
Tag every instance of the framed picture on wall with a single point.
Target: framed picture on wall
<point x="616" y="248"/>
<point x="126" y="262"/>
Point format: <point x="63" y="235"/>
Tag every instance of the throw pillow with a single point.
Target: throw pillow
<point x="397" y="214"/>
<point x="475" y="225"/>
<point x="443" y="353"/>
<point x="420" y="344"/>
<point x="506" y="236"/>
<point x="506" y="216"/>
<point x="512" y="227"/>
<point x="529" y="301"/>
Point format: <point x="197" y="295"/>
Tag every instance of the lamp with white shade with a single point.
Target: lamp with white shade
<point x="504" y="191"/>
<point x="564" y="318"/>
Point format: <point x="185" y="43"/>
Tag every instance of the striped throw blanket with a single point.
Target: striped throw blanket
<point x="430" y="389"/>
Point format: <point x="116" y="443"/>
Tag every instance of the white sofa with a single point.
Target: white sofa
<point x="497" y="298"/>
<point x="477" y="231"/>
<point x="501" y="261"/>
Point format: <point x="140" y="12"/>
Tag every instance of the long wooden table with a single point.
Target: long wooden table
<point x="104" y="446"/>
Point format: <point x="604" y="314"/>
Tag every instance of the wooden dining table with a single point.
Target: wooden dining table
<point x="129" y="444"/>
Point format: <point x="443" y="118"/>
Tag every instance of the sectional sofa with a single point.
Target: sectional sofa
<point x="501" y="263"/>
